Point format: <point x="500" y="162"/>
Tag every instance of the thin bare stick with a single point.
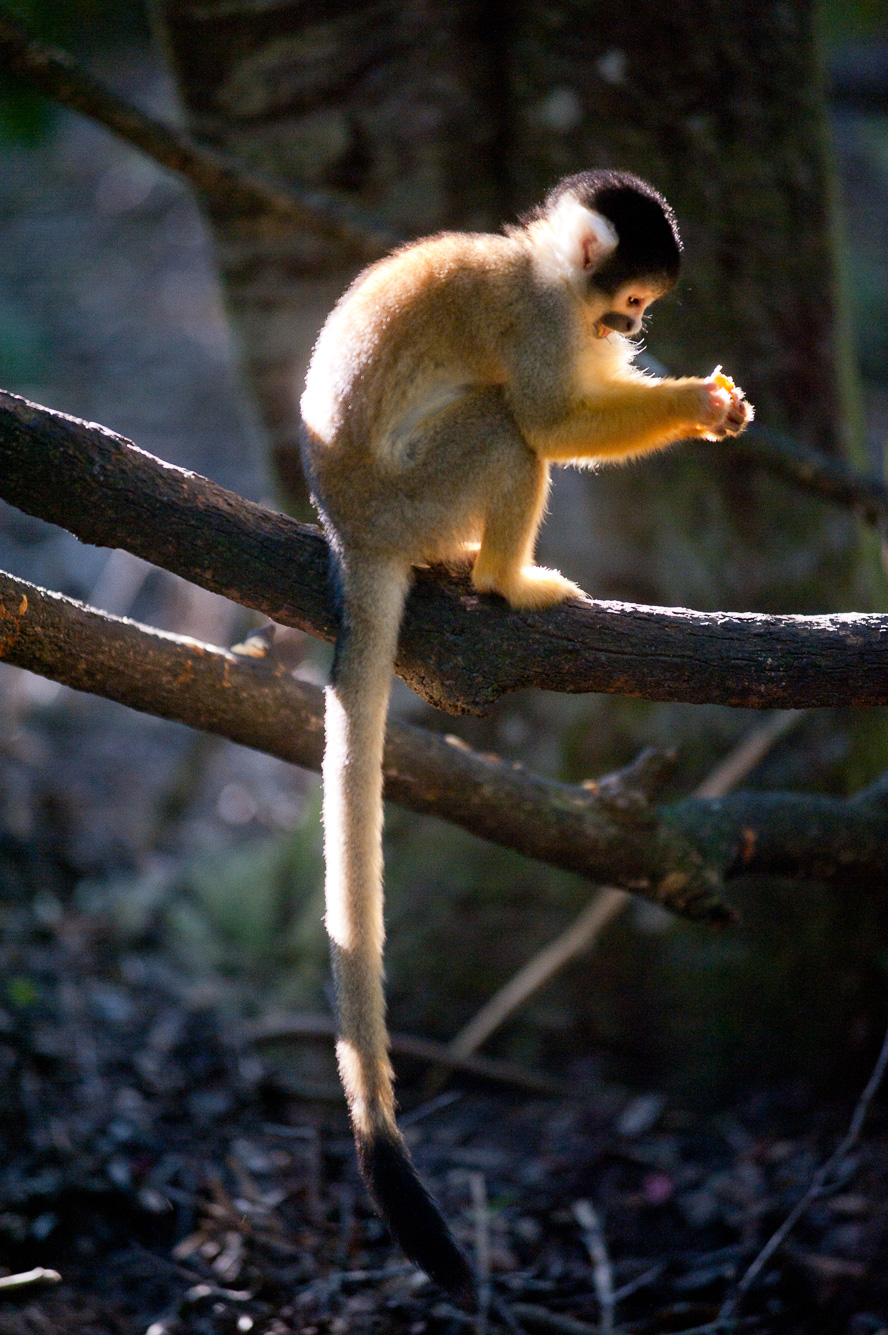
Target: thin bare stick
<point x="602" y="1271"/>
<point x="481" y="1217"/>
<point x="712" y="1327"/>
<point x="299" y="1025"/>
<point x="818" y="1184"/>
<point x="25" y="1278"/>
<point x="583" y="932"/>
<point x="534" y="1317"/>
<point x="577" y="939"/>
<point x="217" y="176"/>
<point x="749" y="751"/>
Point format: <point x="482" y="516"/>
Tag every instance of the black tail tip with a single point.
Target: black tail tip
<point x="412" y="1216"/>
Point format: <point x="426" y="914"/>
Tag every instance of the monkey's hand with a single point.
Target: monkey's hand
<point x="726" y="411"/>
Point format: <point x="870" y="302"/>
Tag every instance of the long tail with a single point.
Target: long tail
<point x="373" y="591"/>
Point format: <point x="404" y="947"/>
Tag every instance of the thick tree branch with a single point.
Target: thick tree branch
<point x="676" y="855"/>
<point x="228" y="183"/>
<point x="458" y="650"/>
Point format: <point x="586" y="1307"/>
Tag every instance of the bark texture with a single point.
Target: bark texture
<point x="678" y="857"/>
<point x="459" y="650"/>
<point x="387" y="102"/>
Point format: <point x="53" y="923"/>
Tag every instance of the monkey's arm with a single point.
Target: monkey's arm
<point x="632" y="417"/>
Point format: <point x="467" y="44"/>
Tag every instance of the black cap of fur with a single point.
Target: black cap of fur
<point x="413" y="1217"/>
<point x="648" y="244"/>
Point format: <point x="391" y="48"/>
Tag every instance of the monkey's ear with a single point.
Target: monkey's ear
<point x="582" y="238"/>
<point x="596" y="239"/>
<point x="574" y="240"/>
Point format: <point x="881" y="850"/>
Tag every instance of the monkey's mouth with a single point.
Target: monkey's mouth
<point x="603" y="329"/>
<point x="620" y="323"/>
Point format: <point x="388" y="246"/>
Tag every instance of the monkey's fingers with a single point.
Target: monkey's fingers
<point x="740" y="413"/>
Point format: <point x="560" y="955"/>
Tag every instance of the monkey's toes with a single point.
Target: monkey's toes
<point x="537" y="588"/>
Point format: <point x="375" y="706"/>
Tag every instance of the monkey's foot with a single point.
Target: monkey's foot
<point x="531" y="589"/>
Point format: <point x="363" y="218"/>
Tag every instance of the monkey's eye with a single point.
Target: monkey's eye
<point x="633" y="301"/>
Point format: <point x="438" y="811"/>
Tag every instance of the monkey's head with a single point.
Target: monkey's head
<point x="619" y="240"/>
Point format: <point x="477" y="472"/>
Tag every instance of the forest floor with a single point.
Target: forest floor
<point x="180" y="1183"/>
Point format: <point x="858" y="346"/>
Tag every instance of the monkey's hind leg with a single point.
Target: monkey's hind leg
<point x="504" y="564"/>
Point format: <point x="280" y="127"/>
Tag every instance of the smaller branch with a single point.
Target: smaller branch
<point x="258" y="704"/>
<point x="818" y="1185"/>
<point x="677" y="855"/>
<point x="602" y="1271"/>
<point x="220" y="178"/>
<point x="813" y="471"/>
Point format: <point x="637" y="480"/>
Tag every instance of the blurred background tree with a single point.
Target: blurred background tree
<point x="462" y="116"/>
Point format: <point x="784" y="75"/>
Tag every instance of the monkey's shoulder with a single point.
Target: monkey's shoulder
<point x="421" y="279"/>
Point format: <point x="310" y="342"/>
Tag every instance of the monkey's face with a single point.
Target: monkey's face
<point x="624" y="309"/>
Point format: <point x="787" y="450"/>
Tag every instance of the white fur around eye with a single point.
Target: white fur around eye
<point x="576" y="239"/>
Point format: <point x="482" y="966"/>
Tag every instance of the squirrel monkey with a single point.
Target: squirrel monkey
<point x="445" y="382"/>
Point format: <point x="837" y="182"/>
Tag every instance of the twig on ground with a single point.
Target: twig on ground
<point x="540" y="1318"/>
<point x="712" y="1327"/>
<point x="39" y="1275"/>
<point x="602" y="1271"/>
<point x="640" y="1282"/>
<point x="504" y="1311"/>
<point x="818" y="1184"/>
<point x="277" y="1028"/>
<point x="224" y="180"/>
<point x="481" y="1221"/>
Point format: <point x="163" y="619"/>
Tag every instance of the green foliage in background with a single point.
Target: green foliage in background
<point x="847" y="20"/>
<point x="79" y="26"/>
<point x="24" y="352"/>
